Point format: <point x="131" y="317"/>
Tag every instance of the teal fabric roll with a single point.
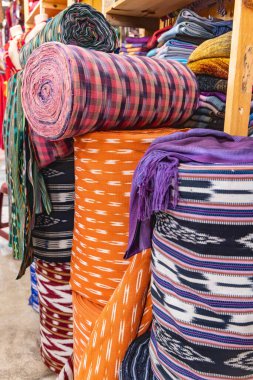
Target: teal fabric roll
<point x="80" y="25"/>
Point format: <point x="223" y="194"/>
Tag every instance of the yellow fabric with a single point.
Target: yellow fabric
<point x="215" y="67"/>
<point x="218" y="47"/>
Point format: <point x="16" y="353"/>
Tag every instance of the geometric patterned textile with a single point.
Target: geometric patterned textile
<point x="127" y="315"/>
<point x="202" y="285"/>
<point x="104" y="166"/>
<point x="53" y="233"/>
<point x="56" y="315"/>
<point x="34" y="297"/>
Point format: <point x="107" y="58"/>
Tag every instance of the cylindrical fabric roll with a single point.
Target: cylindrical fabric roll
<point x="104" y="166"/>
<point x="53" y="233"/>
<point x="56" y="314"/>
<point x="69" y="91"/>
<point x="80" y="25"/>
<point x="136" y="364"/>
<point x="34" y="297"/>
<point x="202" y="277"/>
<point x="127" y="315"/>
<point x="85" y="314"/>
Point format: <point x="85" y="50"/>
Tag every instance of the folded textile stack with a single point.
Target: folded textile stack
<point x="135" y="46"/>
<point x="202" y="253"/>
<point x="189" y="31"/>
<point x="56" y="314"/>
<point x="34" y="298"/>
<point x="210" y="63"/>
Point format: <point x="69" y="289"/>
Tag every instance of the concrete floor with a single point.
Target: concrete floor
<point x="19" y="323"/>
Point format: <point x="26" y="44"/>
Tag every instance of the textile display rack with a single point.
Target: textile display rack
<point x="146" y="14"/>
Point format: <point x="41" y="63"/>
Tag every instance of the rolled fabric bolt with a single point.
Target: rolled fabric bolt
<point x="81" y="25"/>
<point x="69" y="91"/>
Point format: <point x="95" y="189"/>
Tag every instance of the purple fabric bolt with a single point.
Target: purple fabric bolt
<point x="155" y="181"/>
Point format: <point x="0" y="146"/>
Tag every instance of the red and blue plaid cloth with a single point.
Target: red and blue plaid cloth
<point x="69" y="91"/>
<point x="46" y="152"/>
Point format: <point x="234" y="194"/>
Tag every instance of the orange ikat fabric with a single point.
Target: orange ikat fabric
<point x="101" y="279"/>
<point x="110" y="331"/>
<point x="104" y="166"/>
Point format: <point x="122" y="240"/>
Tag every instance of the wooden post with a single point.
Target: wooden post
<point x="240" y="78"/>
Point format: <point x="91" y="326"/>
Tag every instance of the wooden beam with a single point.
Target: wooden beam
<point x="240" y="79"/>
<point x="148" y="23"/>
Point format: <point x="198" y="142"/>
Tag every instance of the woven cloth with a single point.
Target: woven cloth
<point x="207" y="83"/>
<point x="104" y="166"/>
<point x="25" y="195"/>
<point x="115" y="93"/>
<point x="46" y="152"/>
<point x="56" y="314"/>
<point x="14" y="141"/>
<point x="67" y="372"/>
<point x="215" y="67"/>
<point x="136" y="364"/>
<point x="127" y="315"/>
<point x="81" y="25"/>
<point x="202" y="277"/>
<point x="218" y="47"/>
<point x="53" y="233"/>
<point x="213" y="25"/>
<point x="2" y="106"/>
<point x="34" y="297"/>
<point x="155" y="181"/>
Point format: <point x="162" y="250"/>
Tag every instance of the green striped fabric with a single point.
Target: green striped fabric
<point x="80" y="25"/>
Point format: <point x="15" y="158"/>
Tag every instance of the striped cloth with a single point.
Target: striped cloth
<point x="34" y="297"/>
<point x="81" y="25"/>
<point x="136" y="364"/>
<point x="25" y="195"/>
<point x="202" y="277"/>
<point x="115" y="93"/>
<point x="53" y="233"/>
<point x="56" y="314"/>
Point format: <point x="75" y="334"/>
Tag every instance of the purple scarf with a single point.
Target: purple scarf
<point x="155" y="181"/>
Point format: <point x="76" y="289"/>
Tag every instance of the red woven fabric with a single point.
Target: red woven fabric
<point x="56" y="316"/>
<point x="2" y="107"/>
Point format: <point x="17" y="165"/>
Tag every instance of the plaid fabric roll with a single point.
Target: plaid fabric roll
<point x="56" y="315"/>
<point x="80" y="25"/>
<point x="53" y="233"/>
<point x="202" y="270"/>
<point x="69" y="91"/>
<point x="46" y="152"/>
